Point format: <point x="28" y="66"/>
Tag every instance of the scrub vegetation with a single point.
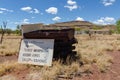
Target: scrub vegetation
<point x="90" y="51"/>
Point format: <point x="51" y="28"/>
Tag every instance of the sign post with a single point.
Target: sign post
<point x="36" y="51"/>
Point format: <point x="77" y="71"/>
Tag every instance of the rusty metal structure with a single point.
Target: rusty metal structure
<point x="64" y="40"/>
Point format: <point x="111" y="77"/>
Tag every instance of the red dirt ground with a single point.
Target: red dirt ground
<point x="20" y="74"/>
<point x="112" y="74"/>
<point x="8" y="58"/>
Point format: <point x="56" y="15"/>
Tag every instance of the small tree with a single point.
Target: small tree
<point x="18" y="30"/>
<point x="3" y="28"/>
<point x="118" y="26"/>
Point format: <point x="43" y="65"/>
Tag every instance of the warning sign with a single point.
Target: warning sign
<point x="36" y="51"/>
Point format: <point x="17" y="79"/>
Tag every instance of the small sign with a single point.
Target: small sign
<point x="36" y="51"/>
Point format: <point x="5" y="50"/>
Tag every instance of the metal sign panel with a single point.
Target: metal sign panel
<point x="36" y="51"/>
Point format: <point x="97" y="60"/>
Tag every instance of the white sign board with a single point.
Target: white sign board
<point x="36" y="51"/>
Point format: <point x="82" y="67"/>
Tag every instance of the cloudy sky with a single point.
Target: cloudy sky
<point x="50" y="11"/>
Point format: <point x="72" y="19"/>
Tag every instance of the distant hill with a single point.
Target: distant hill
<point x="74" y="23"/>
<point x="83" y="25"/>
<point x="78" y="25"/>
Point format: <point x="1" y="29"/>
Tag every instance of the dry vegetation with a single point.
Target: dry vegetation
<point x="8" y="67"/>
<point x="10" y="45"/>
<point x="91" y="51"/>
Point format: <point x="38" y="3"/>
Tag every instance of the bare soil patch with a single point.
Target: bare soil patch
<point x="8" y="58"/>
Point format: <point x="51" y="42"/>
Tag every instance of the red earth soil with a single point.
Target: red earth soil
<point x="20" y="74"/>
<point x="112" y="74"/>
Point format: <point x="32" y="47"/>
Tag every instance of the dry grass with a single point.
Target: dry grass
<point x="8" y="67"/>
<point x="10" y="45"/>
<point x="90" y="51"/>
<point x="93" y="51"/>
<point x="52" y="73"/>
<point x="8" y="77"/>
<point x="34" y="76"/>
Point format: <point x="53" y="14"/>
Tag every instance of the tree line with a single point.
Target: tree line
<point x="5" y="30"/>
<point x="8" y="31"/>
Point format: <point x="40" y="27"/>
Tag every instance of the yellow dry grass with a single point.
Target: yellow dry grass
<point x="8" y="77"/>
<point x="93" y="50"/>
<point x="10" y="45"/>
<point x="9" y="66"/>
<point x="90" y="51"/>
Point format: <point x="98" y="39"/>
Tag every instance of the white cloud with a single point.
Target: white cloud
<point x="105" y="21"/>
<point x="25" y="21"/>
<point x="52" y="10"/>
<point x="56" y="18"/>
<point x="109" y="19"/>
<point x="108" y="2"/>
<point x="71" y="5"/>
<point x="30" y="10"/>
<point x="36" y="11"/>
<point x="70" y="2"/>
<point x="2" y="10"/>
<point x="26" y="9"/>
<point x="79" y="19"/>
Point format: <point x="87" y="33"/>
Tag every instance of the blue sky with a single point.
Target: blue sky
<point x="50" y="11"/>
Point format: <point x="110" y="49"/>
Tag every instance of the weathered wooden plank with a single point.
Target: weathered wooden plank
<point x="64" y="34"/>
